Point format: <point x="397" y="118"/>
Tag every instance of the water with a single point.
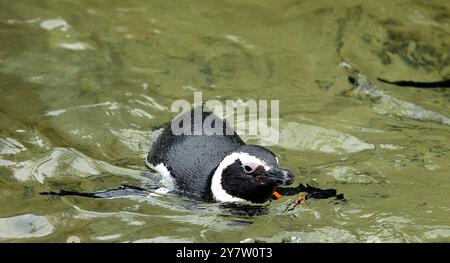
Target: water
<point x="84" y="83"/>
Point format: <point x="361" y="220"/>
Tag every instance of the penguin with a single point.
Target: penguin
<point x="218" y="167"/>
<point x="213" y="167"/>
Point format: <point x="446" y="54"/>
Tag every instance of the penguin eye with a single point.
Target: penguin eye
<point x="248" y="169"/>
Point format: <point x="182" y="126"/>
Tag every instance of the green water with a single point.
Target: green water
<point x="83" y="83"/>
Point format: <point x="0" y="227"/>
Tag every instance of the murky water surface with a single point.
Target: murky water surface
<point x="84" y="83"/>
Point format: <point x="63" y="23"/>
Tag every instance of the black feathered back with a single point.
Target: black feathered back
<point x="192" y="159"/>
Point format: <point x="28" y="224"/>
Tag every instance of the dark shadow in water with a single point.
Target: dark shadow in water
<point x="424" y="85"/>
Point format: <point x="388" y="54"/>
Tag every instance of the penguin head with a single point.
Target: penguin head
<point x="249" y="174"/>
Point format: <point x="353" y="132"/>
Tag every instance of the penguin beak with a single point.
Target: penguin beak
<point x="280" y="176"/>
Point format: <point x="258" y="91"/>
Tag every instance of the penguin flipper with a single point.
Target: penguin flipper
<point x="312" y="192"/>
<point x="122" y="191"/>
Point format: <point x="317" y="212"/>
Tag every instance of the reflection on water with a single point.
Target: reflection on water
<point x="84" y="84"/>
<point x="25" y="226"/>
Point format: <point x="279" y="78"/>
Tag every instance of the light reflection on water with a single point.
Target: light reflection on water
<point x="82" y="86"/>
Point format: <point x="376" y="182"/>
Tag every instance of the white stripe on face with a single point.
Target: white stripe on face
<point x="219" y="194"/>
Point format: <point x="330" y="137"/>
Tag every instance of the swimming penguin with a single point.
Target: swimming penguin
<point x="215" y="167"/>
<point x="210" y="167"/>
